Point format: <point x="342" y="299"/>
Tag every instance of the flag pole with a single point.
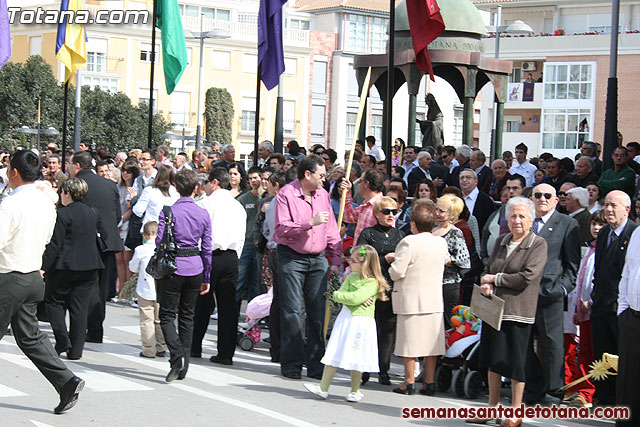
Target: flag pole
<point x="64" y="126"/>
<point x="77" y="123"/>
<point x="279" y="131"/>
<point x="347" y="173"/>
<point x="386" y="141"/>
<point x="151" y="74"/>
<point x="256" y="124"/>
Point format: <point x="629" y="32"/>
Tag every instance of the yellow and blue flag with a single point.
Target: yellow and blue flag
<point x="71" y="47"/>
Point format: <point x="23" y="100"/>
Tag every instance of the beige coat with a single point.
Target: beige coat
<point x="417" y="274"/>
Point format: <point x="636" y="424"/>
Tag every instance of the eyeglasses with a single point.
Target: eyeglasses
<point x="561" y="193"/>
<point x="322" y="175"/>
<point x="145" y="159"/>
<point x="546" y="195"/>
<point x="128" y="170"/>
<point x="387" y="211"/>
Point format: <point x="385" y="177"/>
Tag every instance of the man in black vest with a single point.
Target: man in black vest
<point x="104" y="198"/>
<point x="611" y="248"/>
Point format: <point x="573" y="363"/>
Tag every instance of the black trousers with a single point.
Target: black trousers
<point x="274" y="311"/>
<point x="386" y="326"/>
<point x="604" y="330"/>
<point x="628" y="367"/>
<point x="66" y="289"/>
<point x="224" y="277"/>
<point x="178" y="293"/>
<point x="21" y="293"/>
<point x="450" y="296"/>
<point x="97" y="310"/>
<point x="545" y="374"/>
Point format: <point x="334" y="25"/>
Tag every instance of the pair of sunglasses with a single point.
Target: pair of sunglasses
<point x="387" y="211"/>
<point x="546" y="195"/>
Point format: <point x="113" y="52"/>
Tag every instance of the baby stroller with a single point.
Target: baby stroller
<point x="457" y="370"/>
<point x="250" y="332"/>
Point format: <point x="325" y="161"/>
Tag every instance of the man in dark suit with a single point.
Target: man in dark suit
<point x="479" y="203"/>
<point x="563" y="256"/>
<point x="427" y="169"/>
<point x="590" y="149"/>
<point x="483" y="172"/>
<point x="103" y="197"/>
<point x="611" y="248"/>
<point x="463" y="154"/>
<point x="500" y="174"/>
<point x="577" y="204"/>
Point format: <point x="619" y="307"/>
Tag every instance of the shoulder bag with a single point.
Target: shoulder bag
<point x="163" y="261"/>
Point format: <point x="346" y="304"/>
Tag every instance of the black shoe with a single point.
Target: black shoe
<point x="549" y="400"/>
<point x="365" y="378"/>
<point x="93" y="340"/>
<point x="160" y="353"/>
<point x="292" y="375"/>
<point x="410" y="389"/>
<point x="69" y="395"/>
<point x="220" y="360"/>
<point x="183" y="373"/>
<point x="175" y="371"/>
<point x="73" y="357"/>
<point x="384" y="379"/>
<point x="195" y="355"/>
<point x="428" y="389"/>
<point x="60" y="350"/>
<point x="275" y="359"/>
<point x="317" y="376"/>
<point x="148" y="357"/>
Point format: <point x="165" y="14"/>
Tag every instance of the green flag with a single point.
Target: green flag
<point x="174" y="48"/>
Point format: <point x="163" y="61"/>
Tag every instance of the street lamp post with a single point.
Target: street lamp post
<point x="183" y="137"/>
<point x="517" y="27"/>
<point x="216" y="33"/>
<point x="37" y="131"/>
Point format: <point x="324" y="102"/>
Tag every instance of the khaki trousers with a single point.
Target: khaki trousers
<point x="150" y="331"/>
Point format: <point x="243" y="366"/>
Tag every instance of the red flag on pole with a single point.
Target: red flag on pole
<point x="426" y="24"/>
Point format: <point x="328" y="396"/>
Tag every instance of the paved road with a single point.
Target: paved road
<point x="123" y="389"/>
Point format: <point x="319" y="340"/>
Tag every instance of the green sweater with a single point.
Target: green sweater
<point x="623" y="180"/>
<point x="354" y="291"/>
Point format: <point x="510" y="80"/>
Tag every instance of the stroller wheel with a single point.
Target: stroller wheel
<point x="457" y="383"/>
<point x="443" y="378"/>
<point x="473" y="385"/>
<point x="246" y="344"/>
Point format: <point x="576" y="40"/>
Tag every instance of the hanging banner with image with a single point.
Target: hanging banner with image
<point x="527" y="93"/>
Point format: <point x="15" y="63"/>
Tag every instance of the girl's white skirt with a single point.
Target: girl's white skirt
<point x="353" y="344"/>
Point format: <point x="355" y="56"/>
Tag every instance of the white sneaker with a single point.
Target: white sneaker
<point x="315" y="389"/>
<point x="355" y="396"/>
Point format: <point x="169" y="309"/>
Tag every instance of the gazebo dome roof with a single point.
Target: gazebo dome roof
<point x="458" y="15"/>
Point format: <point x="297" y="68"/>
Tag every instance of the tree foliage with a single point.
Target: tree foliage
<point x="218" y="115"/>
<point x="108" y="120"/>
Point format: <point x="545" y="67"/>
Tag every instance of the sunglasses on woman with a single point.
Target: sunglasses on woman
<point x="387" y="211"/>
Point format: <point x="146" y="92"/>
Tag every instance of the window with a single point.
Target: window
<point x="365" y="34"/>
<point x="290" y="66"/>
<point x="376" y="126"/>
<point x="352" y="83"/>
<point x="188" y="10"/>
<point x="565" y="128"/>
<point x="180" y="108"/>
<point x="319" y="77"/>
<point x="298" y="24"/>
<point x="143" y="98"/>
<point x="568" y="81"/>
<point x="317" y="120"/>
<point x="248" y="18"/>
<point x="221" y="60"/>
<point x="218" y="14"/>
<point x="96" y="62"/>
<point x="107" y="84"/>
<point x="35" y="45"/>
<point x="458" y="123"/>
<point x="288" y="116"/>
<point x="516" y="75"/>
<point x="145" y="52"/>
<point x="248" y="122"/>
<point x="351" y="126"/>
<point x="512" y="123"/>
<point x="250" y="63"/>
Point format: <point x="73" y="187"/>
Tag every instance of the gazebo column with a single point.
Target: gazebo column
<point x="500" y="87"/>
<point x="469" y="98"/>
<point x="413" y="86"/>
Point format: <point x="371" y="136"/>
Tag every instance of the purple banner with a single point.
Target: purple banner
<point x="527" y="93"/>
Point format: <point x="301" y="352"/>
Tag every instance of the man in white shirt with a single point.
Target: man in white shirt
<point x="27" y="219"/>
<point x="410" y="162"/>
<point x="373" y="149"/>
<point x="629" y="331"/>
<point x="522" y="166"/>
<point x="149" y="172"/>
<point x="180" y="162"/>
<point x="228" y="224"/>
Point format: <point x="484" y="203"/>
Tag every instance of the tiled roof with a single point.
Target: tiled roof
<point x="370" y="5"/>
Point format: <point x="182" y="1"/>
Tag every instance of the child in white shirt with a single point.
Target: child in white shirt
<point x="150" y="332"/>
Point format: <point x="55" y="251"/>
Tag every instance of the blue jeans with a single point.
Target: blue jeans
<point x="247" y="274"/>
<point x="301" y="278"/>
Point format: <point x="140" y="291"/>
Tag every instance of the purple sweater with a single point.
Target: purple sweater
<point x="192" y="227"/>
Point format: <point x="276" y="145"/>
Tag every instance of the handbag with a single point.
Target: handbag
<point x="163" y="261"/>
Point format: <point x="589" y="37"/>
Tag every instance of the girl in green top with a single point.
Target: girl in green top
<point x="353" y="344"/>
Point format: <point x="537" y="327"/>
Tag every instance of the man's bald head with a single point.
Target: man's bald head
<point x="617" y="205"/>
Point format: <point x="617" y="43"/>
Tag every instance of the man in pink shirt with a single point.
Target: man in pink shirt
<point x="305" y="229"/>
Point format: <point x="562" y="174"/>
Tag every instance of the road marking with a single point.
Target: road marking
<point x="9" y="392"/>
<point x="244" y="405"/>
<point x="39" y="424"/>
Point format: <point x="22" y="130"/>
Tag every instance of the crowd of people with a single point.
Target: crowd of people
<point x="555" y="238"/>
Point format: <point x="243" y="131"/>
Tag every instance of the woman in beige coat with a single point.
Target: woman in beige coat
<point x="417" y="296"/>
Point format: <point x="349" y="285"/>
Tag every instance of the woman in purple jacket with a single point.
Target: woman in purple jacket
<point x="179" y="290"/>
